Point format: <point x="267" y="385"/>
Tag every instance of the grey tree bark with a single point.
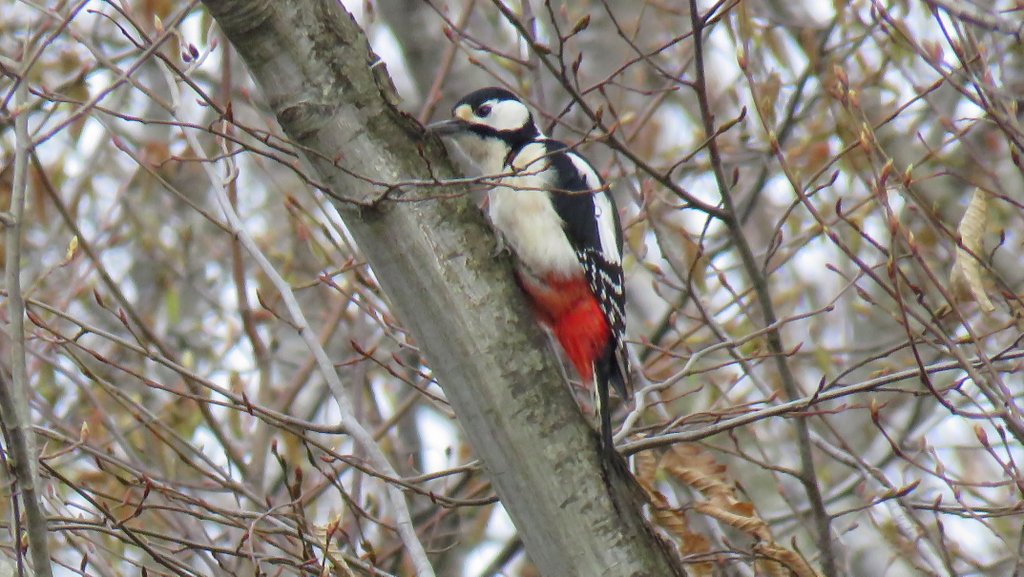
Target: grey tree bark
<point x="333" y="98"/>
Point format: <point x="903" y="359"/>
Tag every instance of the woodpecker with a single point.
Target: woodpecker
<point x="549" y="206"/>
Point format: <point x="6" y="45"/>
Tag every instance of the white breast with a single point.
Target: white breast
<point x="520" y="210"/>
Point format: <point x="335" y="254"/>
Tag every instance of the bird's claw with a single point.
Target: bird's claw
<point x="500" y="247"/>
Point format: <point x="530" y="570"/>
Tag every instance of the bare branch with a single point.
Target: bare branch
<point x="15" y="391"/>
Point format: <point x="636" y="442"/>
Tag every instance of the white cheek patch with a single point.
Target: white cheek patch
<point x="507" y="115"/>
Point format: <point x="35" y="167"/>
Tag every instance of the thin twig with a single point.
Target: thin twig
<point x="808" y="475"/>
<point x="802" y="404"/>
<point x="14" y="391"/>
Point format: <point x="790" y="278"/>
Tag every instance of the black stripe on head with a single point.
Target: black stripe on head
<point x="477" y="97"/>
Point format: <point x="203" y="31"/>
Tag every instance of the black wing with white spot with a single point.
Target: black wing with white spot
<point x="592" y="225"/>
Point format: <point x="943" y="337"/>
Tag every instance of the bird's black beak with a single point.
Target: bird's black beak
<point x="447" y="127"/>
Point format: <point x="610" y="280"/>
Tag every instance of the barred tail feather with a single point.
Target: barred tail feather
<point x="618" y="370"/>
<point x="605" y="410"/>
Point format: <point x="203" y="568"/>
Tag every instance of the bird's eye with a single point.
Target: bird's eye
<point x="483" y="111"/>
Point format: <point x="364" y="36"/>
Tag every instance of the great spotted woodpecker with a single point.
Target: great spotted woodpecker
<point x="549" y="206"/>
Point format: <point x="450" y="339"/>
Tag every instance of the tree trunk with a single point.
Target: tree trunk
<point x="333" y="97"/>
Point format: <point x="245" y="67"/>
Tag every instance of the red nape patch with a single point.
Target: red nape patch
<point x="570" y="310"/>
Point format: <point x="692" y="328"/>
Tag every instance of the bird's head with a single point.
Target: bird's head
<point x="488" y="124"/>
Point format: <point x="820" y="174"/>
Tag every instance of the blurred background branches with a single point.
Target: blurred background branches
<point x="823" y="212"/>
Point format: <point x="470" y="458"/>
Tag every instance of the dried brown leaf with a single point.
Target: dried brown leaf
<point x="792" y="560"/>
<point x="750" y="524"/>
<point x="966" y="273"/>
<point x="646" y="468"/>
<point x="670" y="519"/>
<point x="770" y="568"/>
<point x="674" y="522"/>
<point x="697" y="468"/>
